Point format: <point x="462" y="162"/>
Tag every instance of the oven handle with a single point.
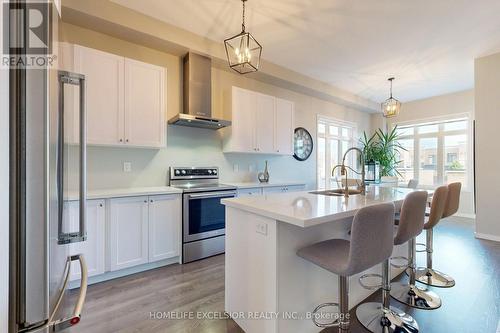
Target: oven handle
<point x="212" y="195"/>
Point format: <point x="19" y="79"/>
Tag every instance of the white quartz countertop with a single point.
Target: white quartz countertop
<point x="243" y="185"/>
<point x="305" y="209"/>
<point x="125" y="192"/>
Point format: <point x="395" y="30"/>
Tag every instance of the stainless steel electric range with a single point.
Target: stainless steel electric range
<point x="203" y="215"/>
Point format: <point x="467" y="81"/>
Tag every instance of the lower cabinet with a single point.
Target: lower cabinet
<point x="93" y="248"/>
<point x="143" y="229"/>
<point x="283" y="189"/>
<point x="164" y="226"/>
<point x="245" y="192"/>
<point x="128" y="232"/>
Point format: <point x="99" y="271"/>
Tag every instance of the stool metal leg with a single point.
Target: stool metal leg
<point x="383" y="318"/>
<point x="342" y="321"/>
<point x="344" y="303"/>
<point x="428" y="275"/>
<point x="411" y="295"/>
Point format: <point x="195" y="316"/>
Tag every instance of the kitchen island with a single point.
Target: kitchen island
<point x="268" y="287"/>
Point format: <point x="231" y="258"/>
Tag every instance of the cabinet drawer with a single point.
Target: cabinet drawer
<point x="249" y="191"/>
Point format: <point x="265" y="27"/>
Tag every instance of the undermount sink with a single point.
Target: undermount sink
<point x="337" y="192"/>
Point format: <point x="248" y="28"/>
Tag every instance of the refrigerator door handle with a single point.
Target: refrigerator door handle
<point x="74" y="319"/>
<point x="81" y="234"/>
<point x="61" y="324"/>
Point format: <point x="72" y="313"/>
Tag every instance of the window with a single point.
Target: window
<point x="334" y="137"/>
<point x="438" y="152"/>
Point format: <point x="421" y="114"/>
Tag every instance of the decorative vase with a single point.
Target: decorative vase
<point x="264" y="176"/>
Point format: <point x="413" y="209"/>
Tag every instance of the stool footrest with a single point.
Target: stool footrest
<point x="368" y="287"/>
<point x="421" y="244"/>
<point x="315" y="315"/>
<point x="400" y="258"/>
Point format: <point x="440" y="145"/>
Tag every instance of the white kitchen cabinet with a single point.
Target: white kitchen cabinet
<point x="104" y="94"/>
<point x="144" y="104"/>
<point x="245" y="192"/>
<point x="125" y="99"/>
<point x="284" y="126"/>
<point x="128" y="232"/>
<point x="260" y="124"/>
<point x="242" y="126"/>
<point x="283" y="189"/>
<point x="93" y="248"/>
<point x="165" y="218"/>
<point x="265" y="123"/>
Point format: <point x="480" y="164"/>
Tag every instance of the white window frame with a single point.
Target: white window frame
<point x="440" y="135"/>
<point x="339" y="123"/>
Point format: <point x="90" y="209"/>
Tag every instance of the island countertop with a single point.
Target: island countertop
<point x="305" y="209"/>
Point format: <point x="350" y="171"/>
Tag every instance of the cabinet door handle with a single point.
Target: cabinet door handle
<point x="100" y="205"/>
<point x="151" y="201"/>
<point x="145" y="201"/>
<point x="121" y="140"/>
<point x="126" y="140"/>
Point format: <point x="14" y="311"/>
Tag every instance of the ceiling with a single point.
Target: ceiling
<point x="428" y="45"/>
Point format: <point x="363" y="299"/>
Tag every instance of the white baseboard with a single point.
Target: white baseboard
<point x="124" y="272"/>
<point x="487" y="237"/>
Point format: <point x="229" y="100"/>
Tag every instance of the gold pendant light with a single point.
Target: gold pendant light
<point x="391" y="106"/>
<point x="242" y="50"/>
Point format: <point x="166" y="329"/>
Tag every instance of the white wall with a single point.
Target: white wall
<point x="487" y="104"/>
<point x="438" y="106"/>
<point x="4" y="194"/>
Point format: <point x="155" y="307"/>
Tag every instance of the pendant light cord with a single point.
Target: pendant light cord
<point x="243" y="17"/>
<point x="391" y="79"/>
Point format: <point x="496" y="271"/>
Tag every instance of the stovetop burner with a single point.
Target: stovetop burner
<point x="197" y="179"/>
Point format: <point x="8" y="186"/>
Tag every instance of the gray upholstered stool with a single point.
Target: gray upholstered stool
<point x="370" y="244"/>
<point x="381" y="317"/>
<point x="411" y="223"/>
<point x="443" y="205"/>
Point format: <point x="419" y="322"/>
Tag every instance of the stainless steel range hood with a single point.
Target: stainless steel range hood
<point x="198" y="95"/>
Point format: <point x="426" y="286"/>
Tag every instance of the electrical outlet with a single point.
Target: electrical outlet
<point x="236" y="167"/>
<point x="262" y="228"/>
<point x="127" y="167"/>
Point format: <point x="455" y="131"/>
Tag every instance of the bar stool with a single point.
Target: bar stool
<point x="381" y="317"/>
<point x="411" y="224"/>
<point x="370" y="244"/>
<point x="442" y="206"/>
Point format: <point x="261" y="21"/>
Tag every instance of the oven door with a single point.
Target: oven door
<point x="204" y="215"/>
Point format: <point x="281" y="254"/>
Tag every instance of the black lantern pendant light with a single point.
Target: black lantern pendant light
<point x="242" y="50"/>
<point x="391" y="106"/>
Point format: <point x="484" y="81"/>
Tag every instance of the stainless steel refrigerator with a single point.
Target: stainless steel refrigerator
<point x="44" y="104"/>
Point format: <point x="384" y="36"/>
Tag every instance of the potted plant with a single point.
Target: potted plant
<point x="385" y="149"/>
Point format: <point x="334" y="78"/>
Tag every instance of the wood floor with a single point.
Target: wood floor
<point x="138" y="303"/>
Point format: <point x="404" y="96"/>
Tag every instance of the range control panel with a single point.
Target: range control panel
<point x="194" y="173"/>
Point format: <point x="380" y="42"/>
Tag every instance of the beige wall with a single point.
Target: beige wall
<point x="487" y="106"/>
<point x="437" y="107"/>
<point x="189" y="146"/>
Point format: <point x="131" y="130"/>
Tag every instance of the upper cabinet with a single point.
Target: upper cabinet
<point x="104" y="94"/>
<point x="125" y="99"/>
<point x="260" y="124"/>
<point x="144" y="104"/>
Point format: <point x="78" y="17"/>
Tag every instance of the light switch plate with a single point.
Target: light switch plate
<point x="236" y="167"/>
<point x="262" y="228"/>
<point x="127" y="167"/>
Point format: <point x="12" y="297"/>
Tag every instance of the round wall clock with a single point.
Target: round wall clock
<point x="302" y="144"/>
